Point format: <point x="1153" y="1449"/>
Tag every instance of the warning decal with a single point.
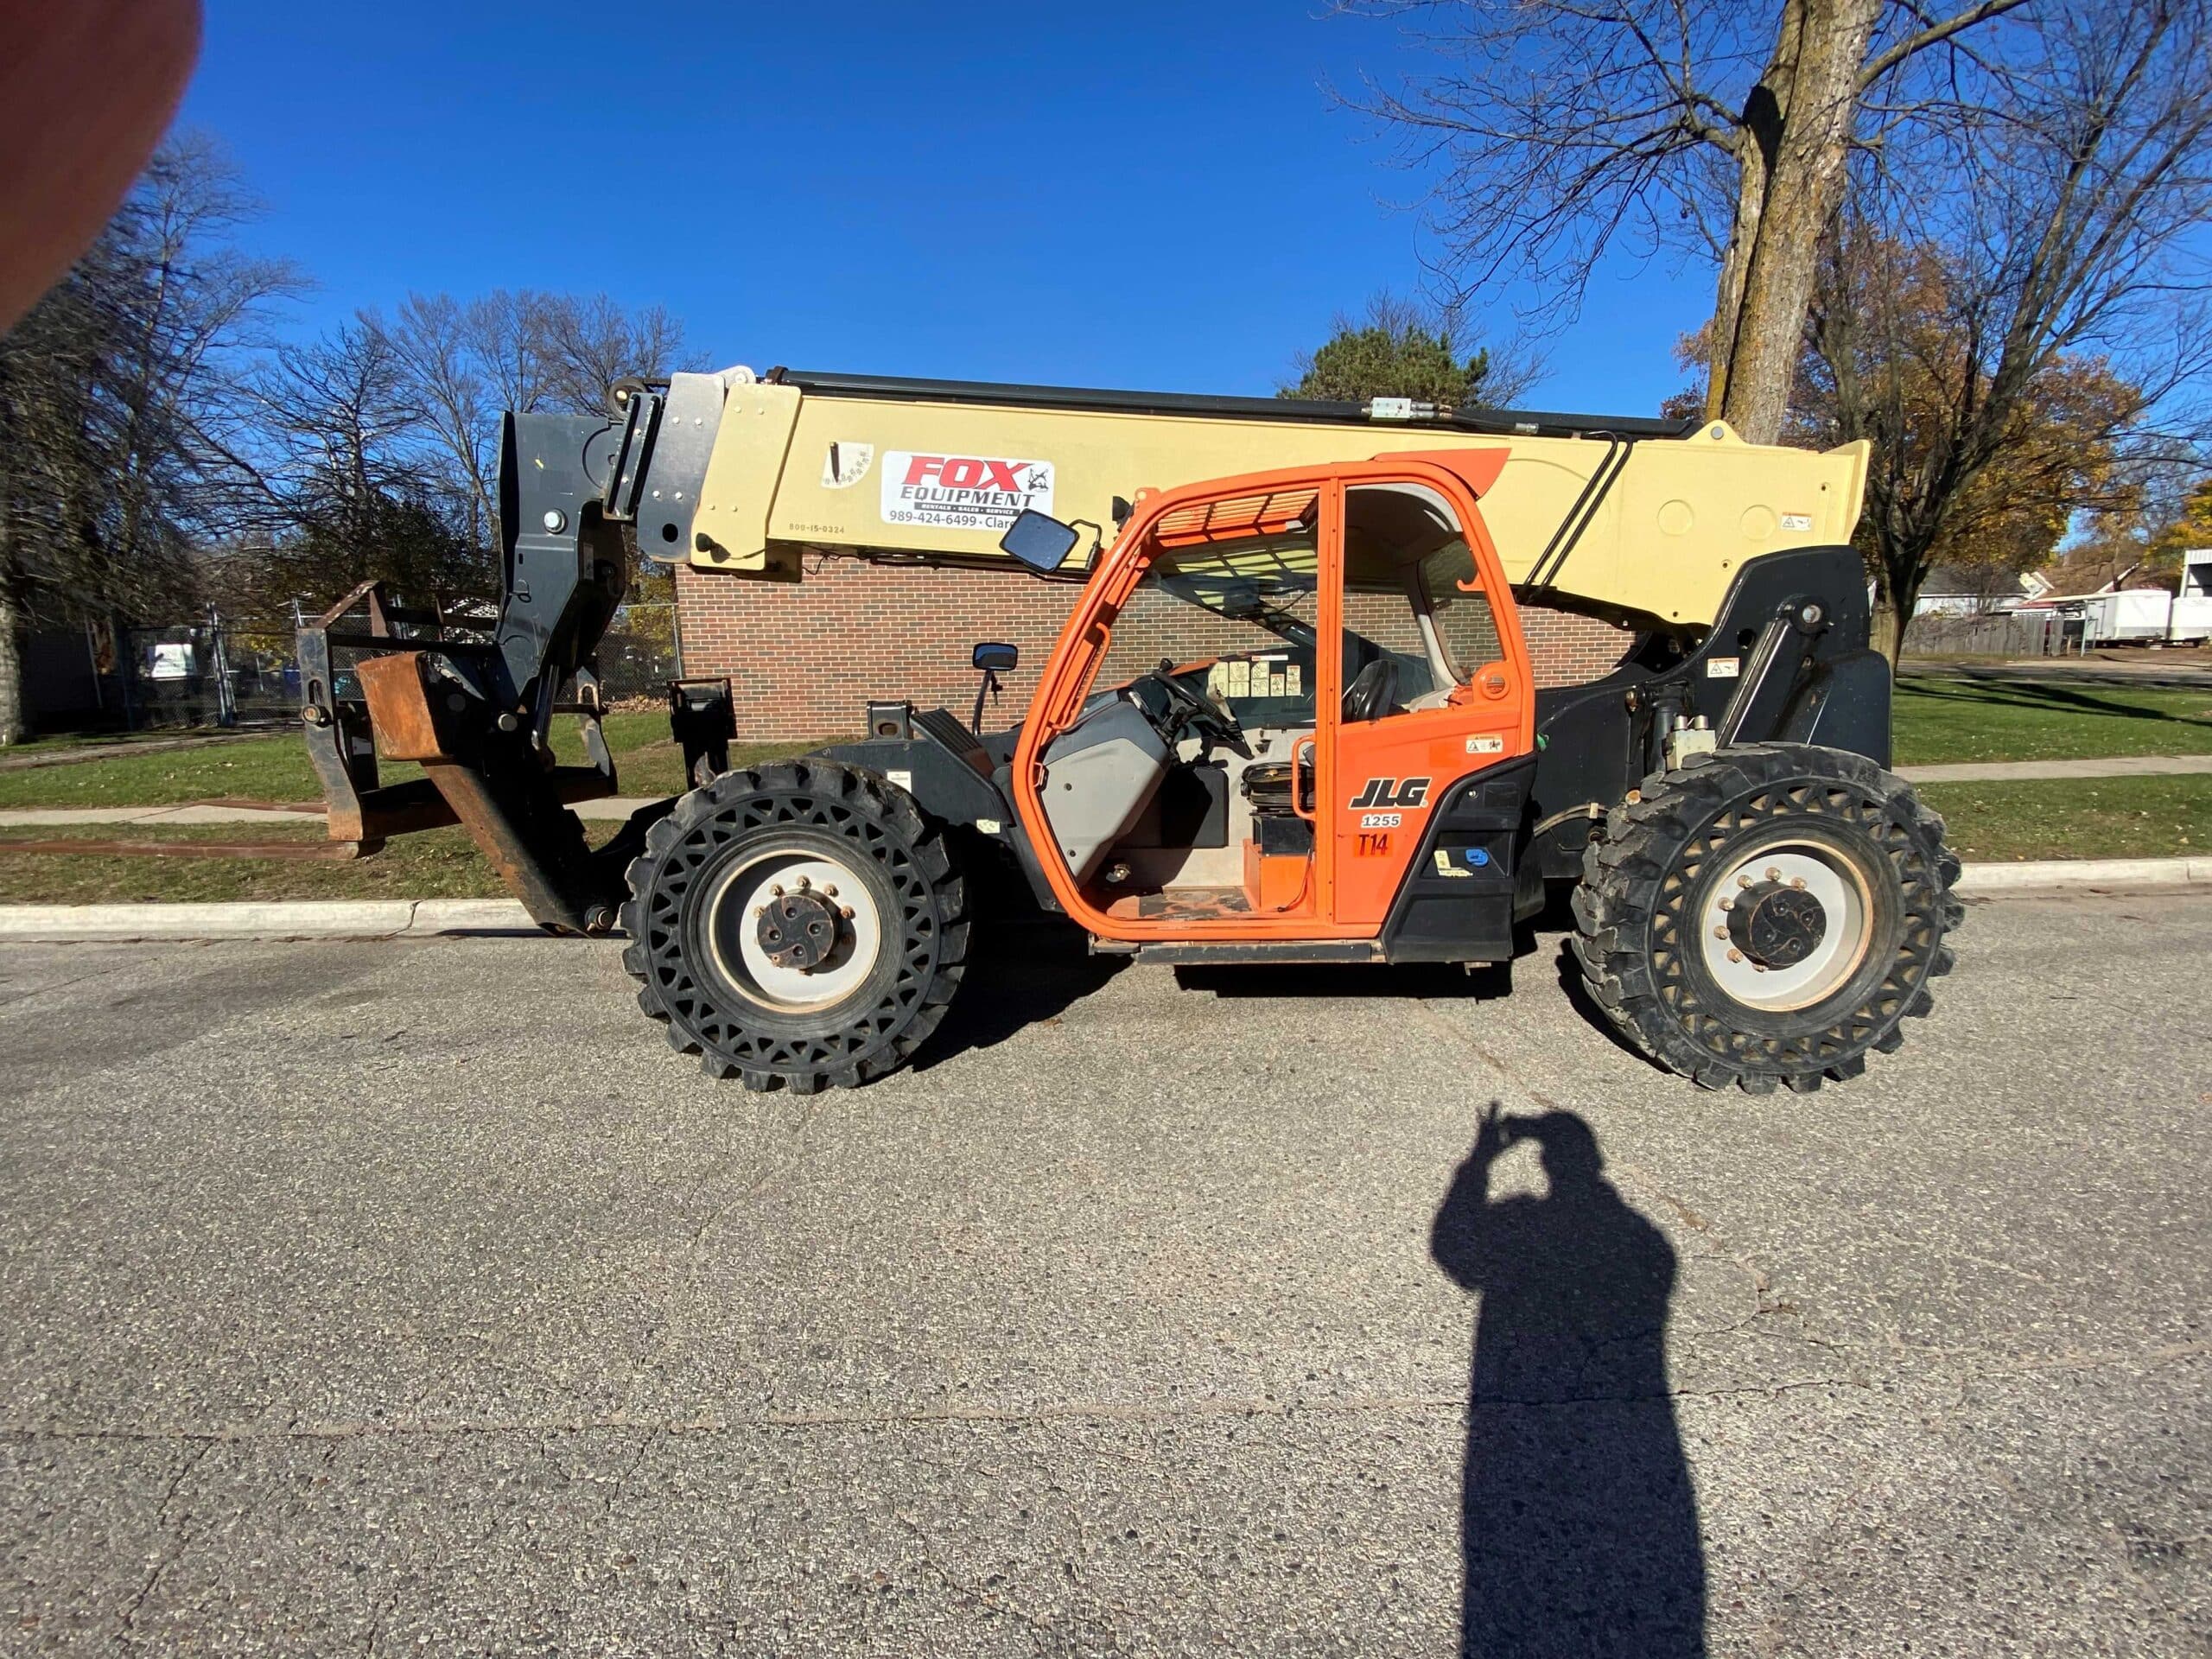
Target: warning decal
<point x="962" y="491"/>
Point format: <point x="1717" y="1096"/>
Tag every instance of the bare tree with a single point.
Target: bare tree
<point x="2031" y="339"/>
<point x="1561" y="129"/>
<point x="463" y="364"/>
<point x="355" y="461"/>
<point x="120" y="393"/>
<point x="434" y="342"/>
<point x="505" y="331"/>
<point x="592" y="343"/>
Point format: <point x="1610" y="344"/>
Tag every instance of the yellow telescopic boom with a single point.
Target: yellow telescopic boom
<point x="1641" y="521"/>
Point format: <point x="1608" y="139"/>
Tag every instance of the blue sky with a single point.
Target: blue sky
<point x="1141" y="194"/>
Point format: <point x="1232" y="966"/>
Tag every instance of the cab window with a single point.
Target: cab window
<point x="1415" y="623"/>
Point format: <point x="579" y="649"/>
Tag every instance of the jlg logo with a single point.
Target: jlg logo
<point x="967" y="472"/>
<point x="1388" y="791"/>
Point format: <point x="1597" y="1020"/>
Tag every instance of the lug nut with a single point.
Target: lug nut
<point x="1773" y="875"/>
<point x="1798" y="883"/>
<point x="1735" y="956"/>
<point x="1721" y="933"/>
<point x="829" y="891"/>
<point x="1727" y="904"/>
<point x="1743" y="880"/>
<point x="845" y="912"/>
<point x="777" y="891"/>
<point x="803" y="884"/>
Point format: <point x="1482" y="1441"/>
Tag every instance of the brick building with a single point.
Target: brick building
<point x="803" y="657"/>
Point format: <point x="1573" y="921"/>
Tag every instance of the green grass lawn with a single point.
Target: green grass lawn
<point x="1937" y="720"/>
<point x="41" y="744"/>
<point x="276" y="768"/>
<point x="1941" y="720"/>
<point x="2094" y="818"/>
<point x="438" y="864"/>
<point x="2121" y="818"/>
<point x="272" y="768"/>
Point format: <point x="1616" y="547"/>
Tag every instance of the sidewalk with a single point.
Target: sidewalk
<point x="1994" y="771"/>
<point x="2180" y="670"/>
<point x="616" y="807"/>
<point x="619" y="807"/>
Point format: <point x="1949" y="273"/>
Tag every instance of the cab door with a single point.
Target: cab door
<point x="1227" y="587"/>
<point x="1437" y="686"/>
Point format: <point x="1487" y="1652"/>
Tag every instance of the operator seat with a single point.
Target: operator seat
<point x="1373" y="693"/>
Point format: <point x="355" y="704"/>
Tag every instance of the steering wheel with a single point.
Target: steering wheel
<point x="1207" y="718"/>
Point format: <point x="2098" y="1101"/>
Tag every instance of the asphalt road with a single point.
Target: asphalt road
<point x="410" y="1297"/>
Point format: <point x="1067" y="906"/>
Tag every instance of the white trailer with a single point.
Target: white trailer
<point x="2150" y="616"/>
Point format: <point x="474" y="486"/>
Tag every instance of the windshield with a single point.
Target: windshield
<point x="1236" y="621"/>
<point x="1282" y="602"/>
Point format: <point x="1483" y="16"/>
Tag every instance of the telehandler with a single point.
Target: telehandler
<point x="1291" y="717"/>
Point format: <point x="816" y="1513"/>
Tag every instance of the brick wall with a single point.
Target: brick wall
<point x="1570" y="650"/>
<point x="803" y="657"/>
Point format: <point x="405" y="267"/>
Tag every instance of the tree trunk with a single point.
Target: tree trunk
<point x="14" y="713"/>
<point x="1794" y="139"/>
<point x="1896" y="597"/>
<point x="1888" y="636"/>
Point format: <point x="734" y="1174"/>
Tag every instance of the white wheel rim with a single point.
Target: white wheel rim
<point x="1807" y="866"/>
<point x="748" y="886"/>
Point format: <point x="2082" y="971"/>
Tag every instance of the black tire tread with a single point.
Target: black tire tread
<point x="1620" y="903"/>
<point x="817" y="795"/>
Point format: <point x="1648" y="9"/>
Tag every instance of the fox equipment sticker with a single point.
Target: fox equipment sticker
<point x="962" y="491"/>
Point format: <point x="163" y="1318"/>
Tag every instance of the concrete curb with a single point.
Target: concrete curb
<point x="2061" y="873"/>
<point x="347" y="918"/>
<point x="416" y="918"/>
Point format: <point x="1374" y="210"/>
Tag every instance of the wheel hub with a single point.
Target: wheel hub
<point x="797" y="930"/>
<point x="1775" y="924"/>
<point x="1786" y="924"/>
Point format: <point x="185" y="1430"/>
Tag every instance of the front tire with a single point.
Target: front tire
<point x="1767" y="914"/>
<point x="796" y="925"/>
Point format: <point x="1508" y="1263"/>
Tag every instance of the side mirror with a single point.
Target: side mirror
<point x="995" y="657"/>
<point x="1038" y="540"/>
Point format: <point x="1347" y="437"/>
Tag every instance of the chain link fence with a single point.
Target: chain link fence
<point x="639" y="655"/>
<point x="229" y="673"/>
<point x="205" y="674"/>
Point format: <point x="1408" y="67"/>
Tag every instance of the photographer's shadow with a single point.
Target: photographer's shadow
<point x="1580" y="1524"/>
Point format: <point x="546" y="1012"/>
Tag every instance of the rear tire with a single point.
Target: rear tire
<point x="1767" y="914"/>
<point x="833" y="853"/>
